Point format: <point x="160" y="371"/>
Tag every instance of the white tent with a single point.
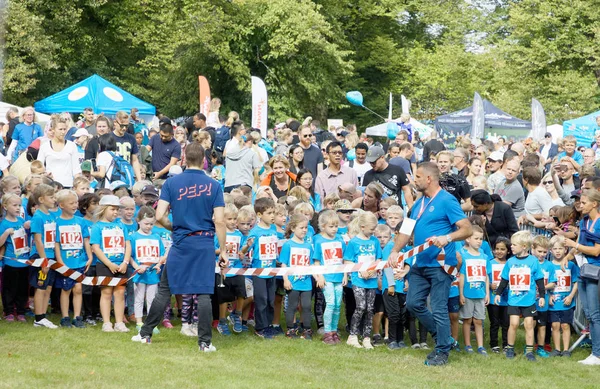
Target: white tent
<point x="381" y="129"/>
<point x="40" y="118"/>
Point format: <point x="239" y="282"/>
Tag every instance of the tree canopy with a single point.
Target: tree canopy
<point x="309" y="53"/>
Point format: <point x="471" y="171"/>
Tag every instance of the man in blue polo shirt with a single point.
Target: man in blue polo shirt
<point x="439" y="219"/>
<point x="166" y="151"/>
<point x="194" y="199"/>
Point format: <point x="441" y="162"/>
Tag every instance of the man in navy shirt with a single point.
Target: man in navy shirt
<point x="194" y="199"/>
<point x="166" y="151"/>
<point x="126" y="145"/>
<point x="439" y="219"/>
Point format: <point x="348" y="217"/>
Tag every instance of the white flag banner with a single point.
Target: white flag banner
<point x="405" y="104"/>
<point x="538" y="120"/>
<point x="259" y="105"/>
<point x="477" y="123"/>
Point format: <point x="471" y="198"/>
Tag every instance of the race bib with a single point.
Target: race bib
<point x="19" y="239"/>
<point x="332" y="253"/>
<point x="113" y="241"/>
<point x="232" y="247"/>
<point x="563" y="281"/>
<point x="476" y="270"/>
<point x="267" y="246"/>
<point x="280" y="243"/>
<point x="70" y="237"/>
<point x="299" y="256"/>
<point x="520" y="279"/>
<point x="166" y="241"/>
<point x="497" y="271"/>
<point x="147" y="250"/>
<point x="49" y="235"/>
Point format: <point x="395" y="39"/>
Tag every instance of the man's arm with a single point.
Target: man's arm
<point x="464" y="231"/>
<point x="408" y="197"/>
<point x="162" y="215"/>
<point x="221" y="230"/>
<point x="136" y="167"/>
<point x="165" y="170"/>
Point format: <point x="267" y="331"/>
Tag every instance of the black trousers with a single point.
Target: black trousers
<point x="295" y="296"/>
<point x="15" y="288"/>
<point x="264" y="302"/>
<point x="163" y="298"/>
<point x="349" y="303"/>
<point x="412" y="330"/>
<point x="498" y="318"/>
<point x="319" y="305"/>
<point x="395" y="309"/>
<point x="91" y="296"/>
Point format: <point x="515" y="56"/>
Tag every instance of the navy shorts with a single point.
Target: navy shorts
<point x="562" y="317"/>
<point x="39" y="280"/>
<point x="529" y="311"/>
<point x="378" y="303"/>
<point x="66" y="283"/>
<point x="453" y="304"/>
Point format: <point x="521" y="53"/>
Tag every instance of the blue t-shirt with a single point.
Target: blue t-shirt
<point x="485" y="248"/>
<point x="438" y="218"/>
<point x="549" y="277"/>
<point x="494" y="274"/>
<point x="330" y="252"/>
<point x="163" y="152"/>
<point x="147" y="249"/>
<point x="24" y="214"/>
<point x="398" y="284"/>
<point x="474" y="271"/>
<point x="315" y="201"/>
<point x="343" y="233"/>
<point x="165" y="236"/>
<point x="126" y="146"/>
<point x="233" y="245"/>
<point x="522" y="274"/>
<point x="363" y="251"/>
<point x="297" y="254"/>
<point x="131" y="228"/>
<point x="25" y="135"/>
<point x="70" y="235"/>
<point x="192" y="190"/>
<point x="111" y="238"/>
<point x="45" y="225"/>
<point x="577" y="157"/>
<point x="264" y="247"/>
<point x="589" y="235"/>
<point x="17" y="243"/>
<point x="564" y="285"/>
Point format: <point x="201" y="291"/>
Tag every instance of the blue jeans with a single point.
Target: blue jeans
<point x="333" y="300"/>
<point x="588" y="290"/>
<point x="433" y="282"/>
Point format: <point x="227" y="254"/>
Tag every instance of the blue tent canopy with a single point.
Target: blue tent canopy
<point x="495" y="118"/>
<point x="582" y="128"/>
<point x="93" y="92"/>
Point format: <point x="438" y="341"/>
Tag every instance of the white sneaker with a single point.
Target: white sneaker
<point x="251" y="323"/>
<point x="107" y="327"/>
<point x="186" y="330"/>
<point x="207" y="348"/>
<point x="194" y="328"/>
<point x="424" y="346"/>
<point x="367" y="344"/>
<point x="353" y="341"/>
<point x="592" y="360"/>
<point x="121" y="327"/>
<point x="45" y="323"/>
<point x="141" y="339"/>
<point x="416" y="346"/>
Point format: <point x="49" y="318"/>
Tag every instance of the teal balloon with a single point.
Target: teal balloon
<point x="355" y="98"/>
<point x="392" y="130"/>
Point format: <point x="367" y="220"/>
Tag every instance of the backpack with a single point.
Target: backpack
<point x="122" y="170"/>
<point x="222" y="135"/>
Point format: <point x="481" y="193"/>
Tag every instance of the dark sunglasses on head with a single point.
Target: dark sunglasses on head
<point x="345" y="210"/>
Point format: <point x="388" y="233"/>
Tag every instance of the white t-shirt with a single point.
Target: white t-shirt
<point x="538" y="202"/>
<point x="63" y="165"/>
<point x="361" y="170"/>
<point x="4" y="162"/>
<point x="106" y="160"/>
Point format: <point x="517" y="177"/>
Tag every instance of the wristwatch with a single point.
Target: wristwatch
<point x="448" y="238"/>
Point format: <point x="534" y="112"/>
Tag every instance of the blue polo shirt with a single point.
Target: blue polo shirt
<point x="192" y="190"/>
<point x="163" y="152"/>
<point x="438" y="218"/>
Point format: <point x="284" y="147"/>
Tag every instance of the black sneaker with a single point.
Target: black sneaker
<point x="496" y="350"/>
<point x="276" y="330"/>
<point x="65" y="322"/>
<point x="376" y="340"/>
<point x="530" y="357"/>
<point x="78" y="322"/>
<point x="265" y="334"/>
<point x="440" y="359"/>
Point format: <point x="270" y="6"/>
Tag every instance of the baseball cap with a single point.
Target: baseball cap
<point x="110" y="200"/>
<point x="496" y="156"/>
<point x="576" y="194"/>
<point x="164" y="120"/>
<point x="343" y="205"/>
<point x="86" y="166"/>
<point x="81" y="132"/>
<point x="548" y="135"/>
<point x="117" y="184"/>
<point x="149" y="190"/>
<point x="375" y="152"/>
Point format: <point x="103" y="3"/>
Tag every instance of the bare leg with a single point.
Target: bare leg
<point x="467" y="331"/>
<point x="105" y="301"/>
<point x="119" y="293"/>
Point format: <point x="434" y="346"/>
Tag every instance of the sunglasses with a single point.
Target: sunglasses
<point x="478" y="153"/>
<point x="307" y="136"/>
<point x="547" y="182"/>
<point x="336" y="152"/>
<point x="345" y="210"/>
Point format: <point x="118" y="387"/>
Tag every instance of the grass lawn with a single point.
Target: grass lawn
<point x="38" y="357"/>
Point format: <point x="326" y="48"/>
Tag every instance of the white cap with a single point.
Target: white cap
<point x="496" y="156"/>
<point x="110" y="200"/>
<point x="117" y="184"/>
<point x="175" y="170"/>
<point x="81" y="132"/>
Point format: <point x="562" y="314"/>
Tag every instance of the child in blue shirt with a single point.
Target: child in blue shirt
<point x="498" y="313"/>
<point x="126" y="217"/>
<point x="296" y="252"/>
<point x="112" y="246"/>
<point x="521" y="274"/>
<point x="281" y="216"/>
<point x="262" y="240"/>
<point x="246" y="218"/>
<point x="43" y="230"/>
<point x="329" y="251"/>
<point x="363" y="249"/>
<point x="473" y="289"/>
<point x="15" y="239"/>
<point x="72" y="249"/>
<point x="148" y="255"/>
<point x="383" y="234"/>
<point x="562" y="300"/>
<point x="540" y="251"/>
<point x="91" y="294"/>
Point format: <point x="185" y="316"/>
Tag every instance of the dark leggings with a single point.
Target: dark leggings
<point x="395" y="308"/>
<point x="319" y="306"/>
<point x="365" y="307"/>
<point x="15" y="289"/>
<point x="412" y="330"/>
<point x="304" y="298"/>
<point x="498" y="318"/>
<point x="349" y="303"/>
<point x="91" y="296"/>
